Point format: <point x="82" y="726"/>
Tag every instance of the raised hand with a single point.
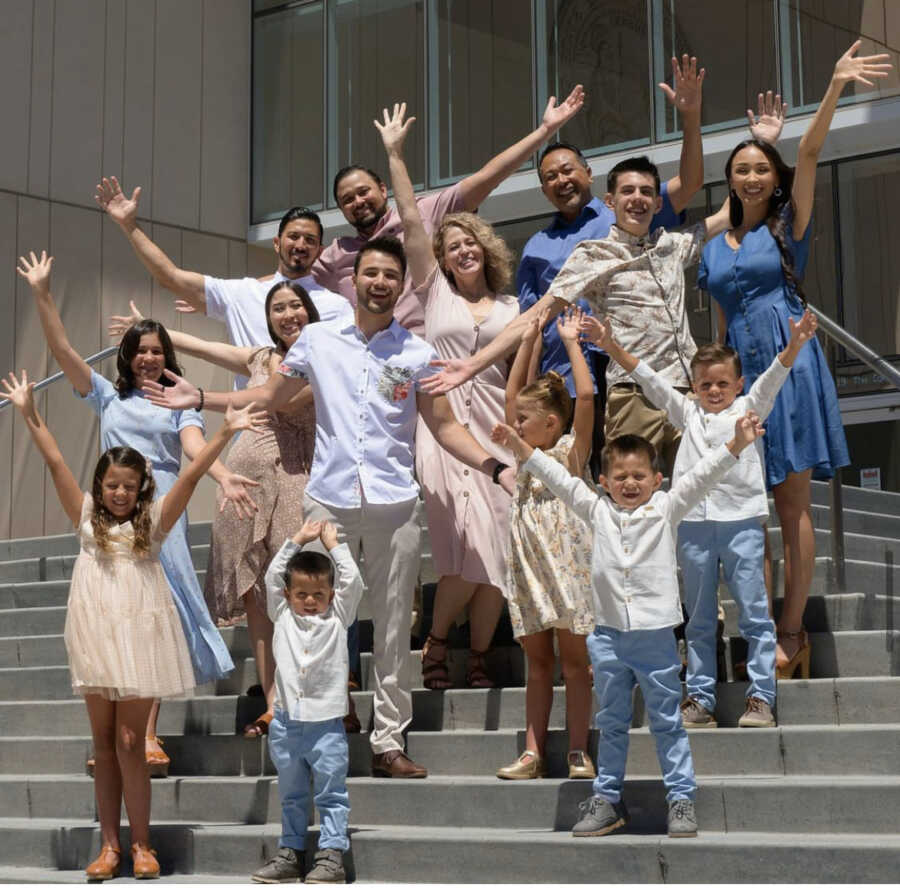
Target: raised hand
<point x="858" y="68"/>
<point x="242" y="418"/>
<point x="234" y="490"/>
<point x="569" y="325"/>
<point x="557" y="115"/>
<point x="504" y="435"/>
<point x="687" y="97"/>
<point x="747" y="429"/>
<point x="328" y="535"/>
<point x="394" y="129"/>
<point x="804" y="330"/>
<point x="308" y="532"/>
<point x="184" y="306"/>
<point x="110" y="197"/>
<point x="535" y="326"/>
<point x="36" y="272"/>
<point x="20" y="393"/>
<point x="596" y="332"/>
<point x="182" y="395"/>
<point x="118" y="325"/>
<point x="768" y="122"/>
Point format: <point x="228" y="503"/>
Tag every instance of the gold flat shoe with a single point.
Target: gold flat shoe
<point x="580" y="765"/>
<point x="521" y="769"/>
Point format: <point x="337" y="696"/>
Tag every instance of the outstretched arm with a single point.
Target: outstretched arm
<point x="848" y="68"/>
<point x="415" y="239"/>
<point x="687" y="99"/>
<point x="21" y="394"/>
<point x="37" y="274"/>
<point x="583" y="417"/>
<point x="521" y="367"/>
<point x="475" y="188"/>
<point x="187" y="285"/>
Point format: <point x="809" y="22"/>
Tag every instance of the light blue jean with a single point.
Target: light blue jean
<point x="298" y="748"/>
<point x="650" y="658"/>
<point x="740" y="547"/>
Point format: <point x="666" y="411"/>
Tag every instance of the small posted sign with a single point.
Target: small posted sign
<point x="870" y="477"/>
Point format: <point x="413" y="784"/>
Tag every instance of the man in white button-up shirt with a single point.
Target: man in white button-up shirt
<point x="238" y="302"/>
<point x="636" y="606"/>
<point x="365" y="376"/>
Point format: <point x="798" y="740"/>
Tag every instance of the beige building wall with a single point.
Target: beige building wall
<point x="156" y="92"/>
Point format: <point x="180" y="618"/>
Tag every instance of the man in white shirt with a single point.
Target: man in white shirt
<point x="365" y="375"/>
<point x="240" y="302"/>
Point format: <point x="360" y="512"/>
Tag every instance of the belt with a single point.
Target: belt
<point x="628" y="386"/>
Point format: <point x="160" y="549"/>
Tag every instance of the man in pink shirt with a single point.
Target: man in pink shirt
<point x="362" y="197"/>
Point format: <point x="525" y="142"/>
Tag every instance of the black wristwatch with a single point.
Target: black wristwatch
<point x="495" y="475"/>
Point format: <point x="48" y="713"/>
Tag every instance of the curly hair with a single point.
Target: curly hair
<point x="498" y="258"/>
<point x="102" y="519"/>
<point x="128" y="348"/>
<point x="776" y="217"/>
<point x="550" y="393"/>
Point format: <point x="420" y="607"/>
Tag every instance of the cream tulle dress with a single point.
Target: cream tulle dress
<point x="123" y="635"/>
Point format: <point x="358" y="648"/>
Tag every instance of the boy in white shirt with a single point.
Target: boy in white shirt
<point x="727" y="525"/>
<point x="636" y="606"/>
<point x="311" y="612"/>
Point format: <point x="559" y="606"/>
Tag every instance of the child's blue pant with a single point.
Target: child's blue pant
<point x="650" y="658"/>
<point x="298" y="748"/>
<point x="740" y="546"/>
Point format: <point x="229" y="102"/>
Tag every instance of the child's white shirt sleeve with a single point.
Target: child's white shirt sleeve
<point x="663" y="395"/>
<point x="348" y="584"/>
<point x="766" y="388"/>
<point x="574" y="492"/>
<point x="690" y="489"/>
<point x="275" y="578"/>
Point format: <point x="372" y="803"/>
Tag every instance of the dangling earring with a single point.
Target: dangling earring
<point x="777" y="193"/>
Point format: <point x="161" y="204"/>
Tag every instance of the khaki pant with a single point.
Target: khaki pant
<point x="388" y="535"/>
<point x="629" y="411"/>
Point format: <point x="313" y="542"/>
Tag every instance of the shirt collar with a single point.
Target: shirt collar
<point x="623" y="237"/>
<point x="589" y="211"/>
<point x="394" y="330"/>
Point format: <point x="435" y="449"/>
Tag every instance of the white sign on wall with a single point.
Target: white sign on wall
<point x="870" y="477"/>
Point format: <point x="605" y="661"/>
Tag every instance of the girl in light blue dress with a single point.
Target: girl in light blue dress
<point x="128" y="419"/>
<point x="753" y="271"/>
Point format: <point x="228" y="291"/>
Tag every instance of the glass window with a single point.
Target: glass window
<point x="377" y="57"/>
<point x="602" y="44"/>
<point x="697" y="303"/>
<point x="734" y="41"/>
<point x="288" y="111"/>
<point x="482" y="65"/>
<point x="517" y="232"/>
<point x="874" y="445"/>
<point x="814" y="35"/>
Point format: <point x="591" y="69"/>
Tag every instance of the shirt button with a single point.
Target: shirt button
<point x="627" y="550"/>
<point x="465" y="494"/>
<point x="466" y="472"/>
<point x="627" y="573"/>
<point x="476" y="329"/>
<point x="466" y="425"/>
<point x="468" y="402"/>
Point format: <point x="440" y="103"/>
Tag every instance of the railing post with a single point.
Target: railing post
<point x="837" y="534"/>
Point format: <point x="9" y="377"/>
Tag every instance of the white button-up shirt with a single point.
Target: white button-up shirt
<point x="741" y="494"/>
<point x="365" y="396"/>
<point x="311" y="667"/>
<point x="241" y="304"/>
<point x="633" y="568"/>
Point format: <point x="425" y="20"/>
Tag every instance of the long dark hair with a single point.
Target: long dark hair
<point x="128" y="350"/>
<point x="305" y="299"/>
<point x="776" y="218"/>
<point x="102" y="519"/>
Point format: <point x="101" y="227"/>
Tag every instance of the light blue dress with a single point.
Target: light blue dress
<point x="804" y="429"/>
<point x="154" y="432"/>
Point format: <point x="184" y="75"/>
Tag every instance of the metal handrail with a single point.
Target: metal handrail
<point x="91" y="360"/>
<point x="886" y="370"/>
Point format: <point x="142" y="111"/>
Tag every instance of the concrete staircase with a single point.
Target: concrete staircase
<point x="815" y="799"/>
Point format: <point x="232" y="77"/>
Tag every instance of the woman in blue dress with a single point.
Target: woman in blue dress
<point x="127" y="418"/>
<point x="753" y="271"/>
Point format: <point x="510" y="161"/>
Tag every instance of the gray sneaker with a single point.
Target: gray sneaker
<point x="758" y="714"/>
<point x="695" y="717"/>
<point x="328" y="868"/>
<point x="285" y="866"/>
<point x="599" y="817"/>
<point x="682" y="819"/>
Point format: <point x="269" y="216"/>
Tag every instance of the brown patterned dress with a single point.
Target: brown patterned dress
<point x="278" y="457"/>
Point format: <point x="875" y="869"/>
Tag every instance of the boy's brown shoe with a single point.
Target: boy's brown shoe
<point x="695" y="717"/>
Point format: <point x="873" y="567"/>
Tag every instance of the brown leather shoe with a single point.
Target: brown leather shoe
<point x="146" y="866"/>
<point x="397" y="765"/>
<point x="106" y="866"/>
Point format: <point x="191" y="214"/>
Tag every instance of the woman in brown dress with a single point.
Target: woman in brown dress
<point x="278" y="456"/>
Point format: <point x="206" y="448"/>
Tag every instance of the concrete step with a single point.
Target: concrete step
<point x="808" y="804"/>
<point x="856" y="546"/>
<point x="406" y="853"/>
<point x="856" y="498"/>
<point x="852" y="749"/>
<point x="25" y="875"/>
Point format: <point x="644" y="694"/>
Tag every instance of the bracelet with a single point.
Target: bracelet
<point x="495" y="476"/>
<point x="202" y="399"/>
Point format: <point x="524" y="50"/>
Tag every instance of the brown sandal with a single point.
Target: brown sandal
<point x="784" y="671"/>
<point x="259" y="727"/>
<point x="157" y="762"/>
<point x="106" y="866"/>
<point x="476" y="671"/>
<point x="435" y="675"/>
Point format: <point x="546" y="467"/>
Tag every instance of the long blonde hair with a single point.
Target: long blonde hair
<point x="498" y="258"/>
<point x="102" y="519"/>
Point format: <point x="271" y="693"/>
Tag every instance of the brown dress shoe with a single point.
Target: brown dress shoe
<point x="397" y="765"/>
<point x="106" y="866"/>
<point x="146" y="866"/>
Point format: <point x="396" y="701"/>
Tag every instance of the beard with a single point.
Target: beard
<point x="294" y="270"/>
<point x="370" y="221"/>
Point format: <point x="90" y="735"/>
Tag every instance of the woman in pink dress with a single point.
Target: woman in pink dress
<point x="459" y="278"/>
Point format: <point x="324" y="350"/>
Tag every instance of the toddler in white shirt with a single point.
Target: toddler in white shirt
<point x="727" y="525"/>
<point x="636" y="606"/>
<point x="311" y="611"/>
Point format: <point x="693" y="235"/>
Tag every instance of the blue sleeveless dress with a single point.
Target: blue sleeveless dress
<point x="804" y="429"/>
<point x="153" y="431"/>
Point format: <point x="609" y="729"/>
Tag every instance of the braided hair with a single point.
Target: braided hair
<point x="777" y="214"/>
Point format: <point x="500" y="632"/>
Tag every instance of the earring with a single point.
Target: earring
<point x="777" y="193"/>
